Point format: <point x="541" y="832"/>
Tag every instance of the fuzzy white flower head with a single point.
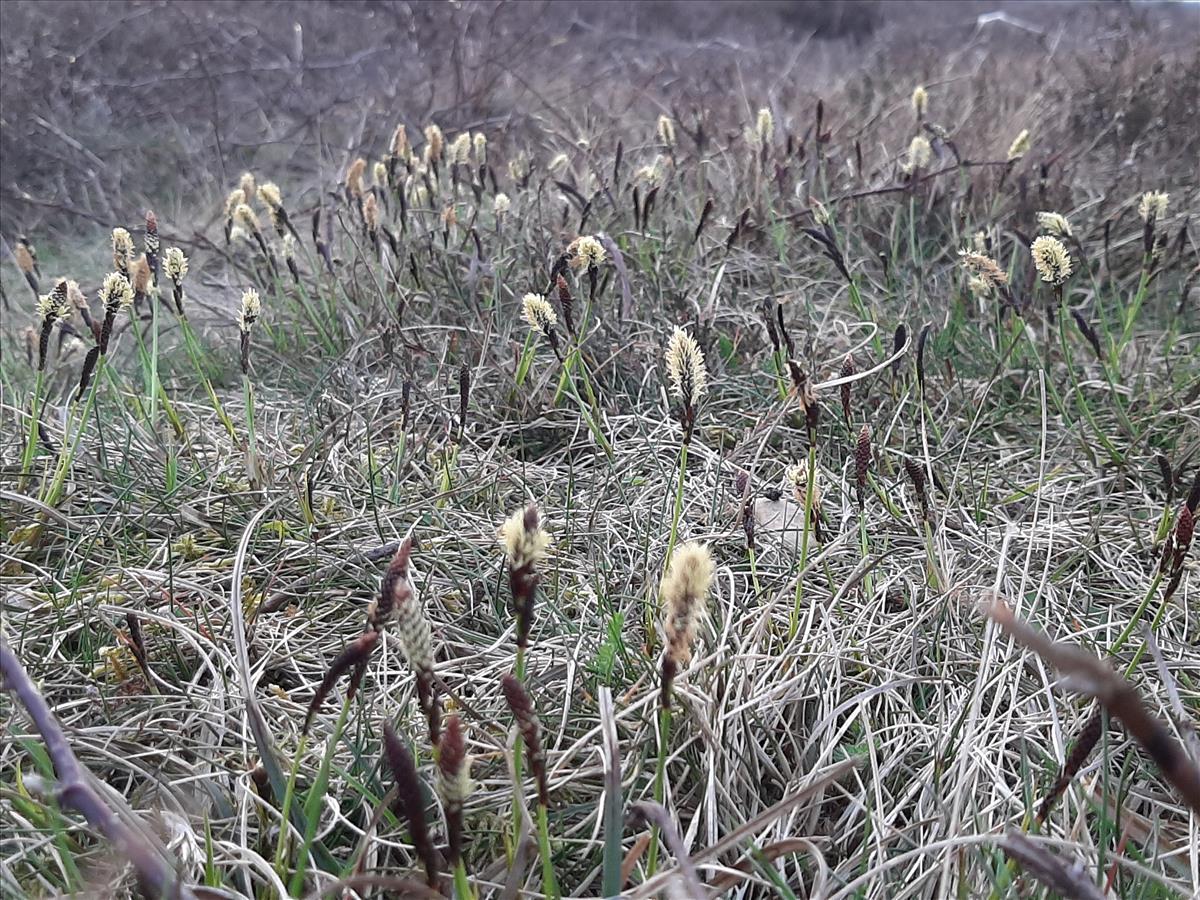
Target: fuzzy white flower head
<point x="122" y="247"/>
<point x="979" y="286"/>
<point x="558" y="163"/>
<point x="176" y="264"/>
<point x="919" y="155"/>
<point x="764" y="127"/>
<point x="55" y="305"/>
<point x="685" y="367"/>
<point x="1054" y="223"/>
<point x="585" y="253"/>
<point x="1153" y="206"/>
<point x="289" y="246"/>
<point x="1051" y="259"/>
<point x="269" y="195"/>
<point x="460" y="149"/>
<point x="236" y="197"/>
<point x="379" y="174"/>
<point x="1020" y="146"/>
<point x="684" y="591"/>
<point x="501" y="205"/>
<point x="246" y="183"/>
<point x="246" y="217"/>
<point x="250" y="310"/>
<point x="479" y="141"/>
<point x="400" y="148"/>
<point x="538" y="312"/>
<point x="920" y="100"/>
<point x="435" y="143"/>
<point x="518" y="167"/>
<point x="651" y="174"/>
<point x="370" y="213"/>
<point x="796" y="478"/>
<point x="524" y="540"/>
<point x="116" y="293"/>
<point x="666" y="131"/>
<point x="984" y="266"/>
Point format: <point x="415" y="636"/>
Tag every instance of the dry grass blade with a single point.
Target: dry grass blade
<point x="158" y="877"/>
<point x="821" y="780"/>
<point x="654" y="814"/>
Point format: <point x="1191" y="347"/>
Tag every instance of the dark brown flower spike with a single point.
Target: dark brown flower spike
<point x="848" y="370"/>
<point x="862" y="461"/>
<point x="802" y="387"/>
<point x="922" y="339"/>
<point x="1087" y="739"/>
<point x="916" y="474"/>
<point x="704" y="214"/>
<point x="454" y="783"/>
<point x="411" y="800"/>
<point x="354" y="660"/>
<point x="828" y="240"/>
<point x="531" y="732"/>
<point x="899" y="339"/>
<point x="567" y="303"/>
<point x="152" y="246"/>
<point x="85" y="375"/>
<point x="464" y="397"/>
<point x="1086" y="329"/>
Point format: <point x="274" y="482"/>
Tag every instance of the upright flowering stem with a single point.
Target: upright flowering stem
<point x="809" y="500"/>
<point x="525" y="545"/>
<point x="248" y="314"/>
<point x="689" y="381"/>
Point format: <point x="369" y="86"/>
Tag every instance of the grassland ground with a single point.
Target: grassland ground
<point x="942" y="288"/>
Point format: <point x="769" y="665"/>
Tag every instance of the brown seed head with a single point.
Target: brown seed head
<point x="521" y="704"/>
<point x="684" y="592"/>
<point x="411" y="800"/>
<point x="848" y="371"/>
<point x="862" y="460"/>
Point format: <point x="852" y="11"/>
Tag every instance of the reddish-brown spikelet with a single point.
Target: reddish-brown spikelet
<point x="916" y="474"/>
<point x="152" y="244"/>
<point x="354" y="660"/>
<point x="454" y="783"/>
<point x="1088" y="737"/>
<point x="567" y="303"/>
<point x="848" y="370"/>
<point x="394" y="585"/>
<point x="464" y="397"/>
<point x="862" y="461"/>
<point x="411" y="800"/>
<point x="1176" y="548"/>
<point x="531" y="732"/>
